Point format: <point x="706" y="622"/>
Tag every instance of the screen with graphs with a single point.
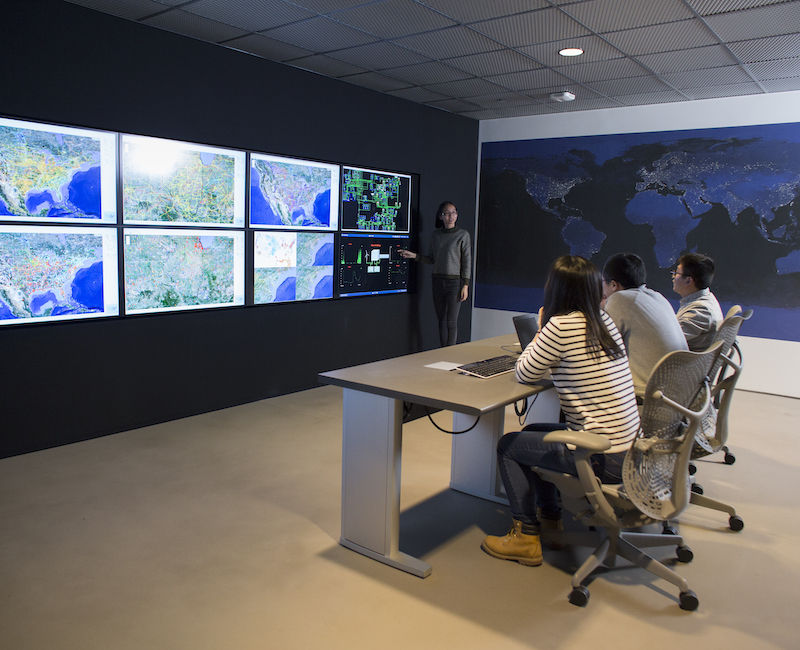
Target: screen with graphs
<point x="371" y="263"/>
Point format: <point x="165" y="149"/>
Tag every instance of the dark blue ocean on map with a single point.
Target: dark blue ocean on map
<point x="40" y="301"/>
<point x="324" y="256"/>
<point x="5" y="312"/>
<point x="287" y="290"/>
<point x="83" y="197"/>
<point x="324" y="288"/>
<point x="87" y="287"/>
<point x="4" y="209"/>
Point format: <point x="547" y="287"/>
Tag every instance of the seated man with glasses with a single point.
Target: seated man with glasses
<point x="644" y="317"/>
<point x="699" y="314"/>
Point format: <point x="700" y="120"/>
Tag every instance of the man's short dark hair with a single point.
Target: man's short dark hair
<point x="625" y="269"/>
<point x="699" y="267"/>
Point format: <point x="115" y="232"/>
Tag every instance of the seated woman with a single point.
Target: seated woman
<point x="580" y="346"/>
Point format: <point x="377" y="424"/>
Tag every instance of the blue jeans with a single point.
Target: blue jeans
<point x="517" y="452"/>
<point x="447" y="303"/>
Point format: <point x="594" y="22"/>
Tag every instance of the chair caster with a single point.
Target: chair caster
<point x="697" y="489"/>
<point x="669" y="530"/>
<point x="692" y="469"/>
<point x="688" y="601"/>
<point x="579" y="596"/>
<point x="684" y="554"/>
<point x="730" y="459"/>
<point x="736" y="523"/>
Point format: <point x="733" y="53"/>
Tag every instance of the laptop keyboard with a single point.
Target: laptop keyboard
<point x="490" y="367"/>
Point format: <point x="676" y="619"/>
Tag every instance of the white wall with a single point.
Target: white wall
<point x="770" y="366"/>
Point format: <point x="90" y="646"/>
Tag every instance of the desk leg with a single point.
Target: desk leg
<point x="371" y="454"/>
<point x="473" y="467"/>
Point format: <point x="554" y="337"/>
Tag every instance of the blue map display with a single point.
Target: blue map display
<point x="731" y="193"/>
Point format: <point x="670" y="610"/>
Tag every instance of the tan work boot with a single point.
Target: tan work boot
<point x="516" y="546"/>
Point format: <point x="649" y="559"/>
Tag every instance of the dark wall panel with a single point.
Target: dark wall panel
<point x="66" y="382"/>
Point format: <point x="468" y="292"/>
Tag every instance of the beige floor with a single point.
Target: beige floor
<point x="220" y="531"/>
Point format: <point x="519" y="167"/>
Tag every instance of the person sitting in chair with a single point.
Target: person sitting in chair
<point x="644" y="317"/>
<point x="581" y="347"/>
<point x="699" y="314"/>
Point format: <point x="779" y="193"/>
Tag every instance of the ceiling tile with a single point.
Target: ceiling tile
<point x="709" y="7"/>
<point x="531" y="80"/>
<point x="424" y="74"/>
<point x="198" y="27"/>
<point x="777" y="69"/>
<point x="773" y="20"/>
<point x="320" y="35"/>
<point x="453" y="105"/>
<point x="732" y="74"/>
<point x="376" y="81"/>
<point x="544" y="25"/>
<point x="378" y="56"/>
<point x="764" y="49"/>
<point x="327" y="66"/>
<point x="448" y="42"/>
<point x="469" y="11"/>
<point x="327" y="7"/>
<point x="781" y="85"/>
<point x="630" y="86"/>
<point x="735" y="90"/>
<point x="498" y="100"/>
<point x="698" y="58"/>
<point x="615" y="15"/>
<point x="268" y="48"/>
<point x="651" y="98"/>
<point x="466" y="88"/>
<point x="493" y="63"/>
<point x="130" y="9"/>
<point x="393" y="18"/>
<point x="417" y="94"/>
<point x="612" y="69"/>
<point x="662" y="38"/>
<point x="253" y="17"/>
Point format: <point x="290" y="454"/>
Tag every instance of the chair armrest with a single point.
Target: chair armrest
<point x="589" y="441"/>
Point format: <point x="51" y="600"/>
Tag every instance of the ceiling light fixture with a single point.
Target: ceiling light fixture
<point x="565" y="96"/>
<point x="571" y="51"/>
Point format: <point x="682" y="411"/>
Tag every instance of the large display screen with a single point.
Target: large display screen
<point x="50" y="273"/>
<point x="170" y="270"/>
<point x="375" y="201"/>
<point x="293" y="194"/>
<point x="292" y="266"/>
<point x="370" y="263"/>
<point x="164" y="181"/>
<point x="56" y="173"/>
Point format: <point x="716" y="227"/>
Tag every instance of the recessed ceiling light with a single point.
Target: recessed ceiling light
<point x="571" y="51"/>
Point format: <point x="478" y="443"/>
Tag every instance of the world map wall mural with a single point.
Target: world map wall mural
<point x="730" y="193"/>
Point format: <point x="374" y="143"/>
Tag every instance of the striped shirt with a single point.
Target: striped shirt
<point x="596" y="394"/>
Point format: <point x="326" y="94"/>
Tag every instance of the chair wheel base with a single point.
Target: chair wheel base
<point x="688" y="601"/>
<point x="579" y="596"/>
<point x="684" y="554"/>
<point x="736" y="523"/>
<point x="730" y="459"/>
<point x="697" y="489"/>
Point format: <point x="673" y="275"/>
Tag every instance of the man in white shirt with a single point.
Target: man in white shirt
<point x="644" y="317"/>
<point x="699" y="314"/>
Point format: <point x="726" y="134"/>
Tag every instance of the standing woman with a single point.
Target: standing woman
<point x="450" y="252"/>
<point x="581" y="347"/>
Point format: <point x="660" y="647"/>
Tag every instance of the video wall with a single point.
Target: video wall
<point x="95" y="224"/>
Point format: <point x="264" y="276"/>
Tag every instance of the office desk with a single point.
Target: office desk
<point x="372" y="437"/>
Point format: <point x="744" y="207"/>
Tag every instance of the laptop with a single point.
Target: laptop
<point x="526" y="325"/>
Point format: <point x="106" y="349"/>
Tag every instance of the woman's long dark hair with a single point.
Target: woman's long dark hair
<point x="574" y="284"/>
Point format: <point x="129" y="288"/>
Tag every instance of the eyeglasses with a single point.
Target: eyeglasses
<point x="445" y="214"/>
<point x="674" y="273"/>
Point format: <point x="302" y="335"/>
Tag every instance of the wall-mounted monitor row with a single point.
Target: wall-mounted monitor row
<point x="94" y="224"/>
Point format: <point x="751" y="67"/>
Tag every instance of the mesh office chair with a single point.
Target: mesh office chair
<point x="655" y="483"/>
<point x="712" y="435"/>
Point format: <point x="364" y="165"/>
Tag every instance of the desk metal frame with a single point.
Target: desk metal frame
<point x="372" y="427"/>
